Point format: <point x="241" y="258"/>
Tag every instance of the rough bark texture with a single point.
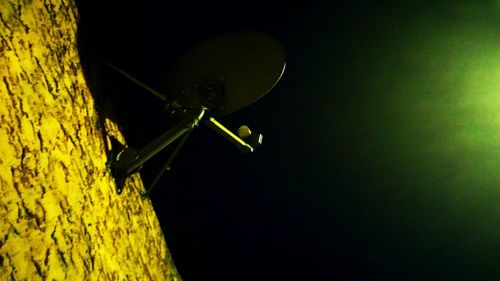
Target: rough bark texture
<point x="60" y="215"/>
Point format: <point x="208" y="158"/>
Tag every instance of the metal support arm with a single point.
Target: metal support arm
<point x="130" y="160"/>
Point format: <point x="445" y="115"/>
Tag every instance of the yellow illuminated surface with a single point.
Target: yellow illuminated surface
<point x="60" y="215"/>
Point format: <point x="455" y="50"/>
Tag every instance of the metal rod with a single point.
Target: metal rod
<point x="136" y="81"/>
<point x="167" y="166"/>
<point x="228" y="135"/>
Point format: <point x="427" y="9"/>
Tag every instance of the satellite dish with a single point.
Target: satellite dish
<point x="246" y="65"/>
<point x="218" y="77"/>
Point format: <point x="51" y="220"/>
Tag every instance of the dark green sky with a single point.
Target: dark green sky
<point x="410" y="123"/>
<point x="382" y="141"/>
<point x="406" y="116"/>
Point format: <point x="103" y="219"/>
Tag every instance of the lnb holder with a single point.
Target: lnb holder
<point x="246" y="144"/>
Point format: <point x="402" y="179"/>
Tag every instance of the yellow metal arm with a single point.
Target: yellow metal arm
<point x="227" y="134"/>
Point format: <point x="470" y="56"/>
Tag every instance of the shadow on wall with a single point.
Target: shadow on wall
<point x="101" y="39"/>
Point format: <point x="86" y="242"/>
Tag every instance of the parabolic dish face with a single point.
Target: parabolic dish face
<point x="249" y="64"/>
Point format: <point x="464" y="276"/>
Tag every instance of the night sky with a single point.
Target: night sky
<point x="381" y="143"/>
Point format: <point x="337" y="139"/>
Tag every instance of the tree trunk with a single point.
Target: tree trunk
<point x="61" y="217"/>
